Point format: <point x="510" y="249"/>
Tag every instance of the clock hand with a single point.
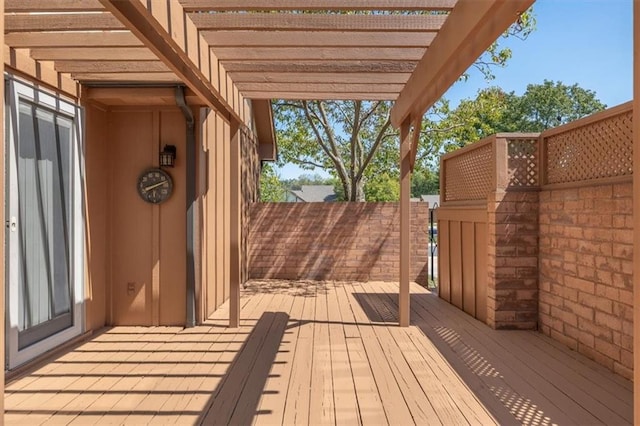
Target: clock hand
<point x="155" y="185"/>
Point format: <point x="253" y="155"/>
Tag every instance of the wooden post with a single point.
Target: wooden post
<point x="405" y="222"/>
<point x="235" y="236"/>
<point x="2" y="219"/>
<point x="636" y="211"/>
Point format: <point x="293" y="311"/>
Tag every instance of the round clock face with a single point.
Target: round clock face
<point x="155" y="186"/>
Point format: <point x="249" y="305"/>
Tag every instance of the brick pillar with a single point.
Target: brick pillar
<point x="512" y="282"/>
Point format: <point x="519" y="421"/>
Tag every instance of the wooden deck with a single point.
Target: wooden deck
<point x="322" y="353"/>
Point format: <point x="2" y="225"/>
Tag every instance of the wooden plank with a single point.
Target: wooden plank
<point x="455" y="253"/>
<point x="237" y="54"/>
<point x="320" y="87"/>
<point x="105" y="67"/>
<point x="274" y="396"/>
<point x="414" y="395"/>
<point x="405" y="224"/>
<point x="316" y="77"/>
<point x="321" y="95"/>
<point x="481" y="272"/>
<point x="127" y="77"/>
<point x="41" y="71"/>
<point x="17" y="6"/>
<point x="143" y="23"/>
<point x="322" y="405"/>
<point x="97" y="54"/>
<point x="469" y="268"/>
<point x="62" y="22"/>
<point x="316" y="22"/>
<point x="296" y="410"/>
<point x="344" y="393"/>
<point x="317" y="38"/>
<point x="444" y="259"/>
<point x="255" y="5"/>
<point x="484" y="349"/>
<point x="320" y="66"/>
<point x="396" y="410"/>
<point x="470" y="28"/>
<point x="72" y="39"/>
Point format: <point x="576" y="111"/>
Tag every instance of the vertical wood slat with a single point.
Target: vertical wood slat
<point x="636" y="210"/>
<point x="2" y="218"/>
<point x="481" y="271"/>
<point x="469" y="261"/>
<point x="444" y="280"/>
<point x="455" y="262"/>
<point x="405" y="225"/>
<point x="235" y="237"/>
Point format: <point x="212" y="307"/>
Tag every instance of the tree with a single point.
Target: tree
<point x="355" y="141"/>
<point x="271" y="188"/>
<point x="547" y="105"/>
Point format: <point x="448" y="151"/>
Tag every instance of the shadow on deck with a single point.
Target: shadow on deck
<point x="310" y="352"/>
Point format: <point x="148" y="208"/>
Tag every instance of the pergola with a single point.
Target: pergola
<point x="225" y="51"/>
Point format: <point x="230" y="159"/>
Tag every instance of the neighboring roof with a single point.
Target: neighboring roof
<point x="431" y="199"/>
<point x="315" y="193"/>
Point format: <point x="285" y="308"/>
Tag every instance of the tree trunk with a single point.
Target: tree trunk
<point x="356" y="191"/>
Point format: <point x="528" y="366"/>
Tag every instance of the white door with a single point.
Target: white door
<point x="44" y="229"/>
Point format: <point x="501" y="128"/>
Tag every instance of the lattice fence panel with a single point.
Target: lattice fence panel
<point x="523" y="163"/>
<point x="599" y="150"/>
<point x="470" y="175"/>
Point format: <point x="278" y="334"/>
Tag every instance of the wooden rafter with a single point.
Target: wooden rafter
<point x="93" y="53"/>
<point x="317" y="77"/>
<point x="62" y="22"/>
<point x="317" y="22"/>
<point x="160" y="77"/>
<point x="320" y="87"/>
<point x="454" y="50"/>
<point x="318" y="38"/>
<point x="86" y="66"/>
<point x="72" y="39"/>
<point x="347" y="96"/>
<point x="321" y="66"/>
<point x="52" y="5"/>
<point x="261" y="5"/>
<point x="319" y="53"/>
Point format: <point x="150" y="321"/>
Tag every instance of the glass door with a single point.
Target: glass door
<point x="44" y="219"/>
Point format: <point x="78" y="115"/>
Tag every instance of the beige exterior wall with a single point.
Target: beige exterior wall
<point x="586" y="271"/>
<point x="335" y="241"/>
<point x="215" y="206"/>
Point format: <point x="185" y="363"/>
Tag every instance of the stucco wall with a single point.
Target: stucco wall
<point x="586" y="264"/>
<point x="334" y="241"/>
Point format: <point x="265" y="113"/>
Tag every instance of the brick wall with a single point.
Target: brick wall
<point x="334" y="241"/>
<point x="512" y="282"/>
<point x="585" y="282"/>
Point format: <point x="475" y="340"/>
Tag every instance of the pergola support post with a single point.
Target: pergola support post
<point x="636" y="211"/>
<point x="235" y="237"/>
<point x="405" y="223"/>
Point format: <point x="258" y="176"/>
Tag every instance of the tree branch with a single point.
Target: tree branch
<point x="374" y="147"/>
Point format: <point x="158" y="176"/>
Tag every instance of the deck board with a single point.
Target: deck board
<point x="321" y="353"/>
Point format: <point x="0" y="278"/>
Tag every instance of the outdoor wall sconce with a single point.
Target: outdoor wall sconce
<point x="168" y="156"/>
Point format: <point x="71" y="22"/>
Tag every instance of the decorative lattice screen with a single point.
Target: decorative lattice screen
<point x="523" y="163"/>
<point x="469" y="176"/>
<point x="598" y="150"/>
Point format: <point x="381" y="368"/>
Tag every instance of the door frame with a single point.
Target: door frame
<point x="14" y="91"/>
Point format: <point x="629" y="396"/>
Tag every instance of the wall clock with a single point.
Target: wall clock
<point x="155" y="186"/>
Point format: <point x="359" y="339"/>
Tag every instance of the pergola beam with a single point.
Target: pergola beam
<point x="316" y="22"/>
<point x="318" y="38"/>
<point x="309" y="96"/>
<point x="261" y="5"/>
<point x="107" y="67"/>
<point x="52" y="5"/>
<point x="318" y="77"/>
<point x="470" y="29"/>
<point x="179" y="47"/>
<point x="321" y="66"/>
<point x="62" y="22"/>
<point x="72" y="39"/>
<point x="319" y="54"/>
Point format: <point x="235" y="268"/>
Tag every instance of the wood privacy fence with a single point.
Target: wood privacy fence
<point x="490" y="230"/>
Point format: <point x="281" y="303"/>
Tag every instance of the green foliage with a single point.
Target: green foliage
<point x="424" y="182"/>
<point x="306" y="179"/>
<point x="382" y="187"/>
<point x="271" y="188"/>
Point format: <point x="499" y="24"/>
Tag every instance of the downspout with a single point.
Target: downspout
<point x="191" y="206"/>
